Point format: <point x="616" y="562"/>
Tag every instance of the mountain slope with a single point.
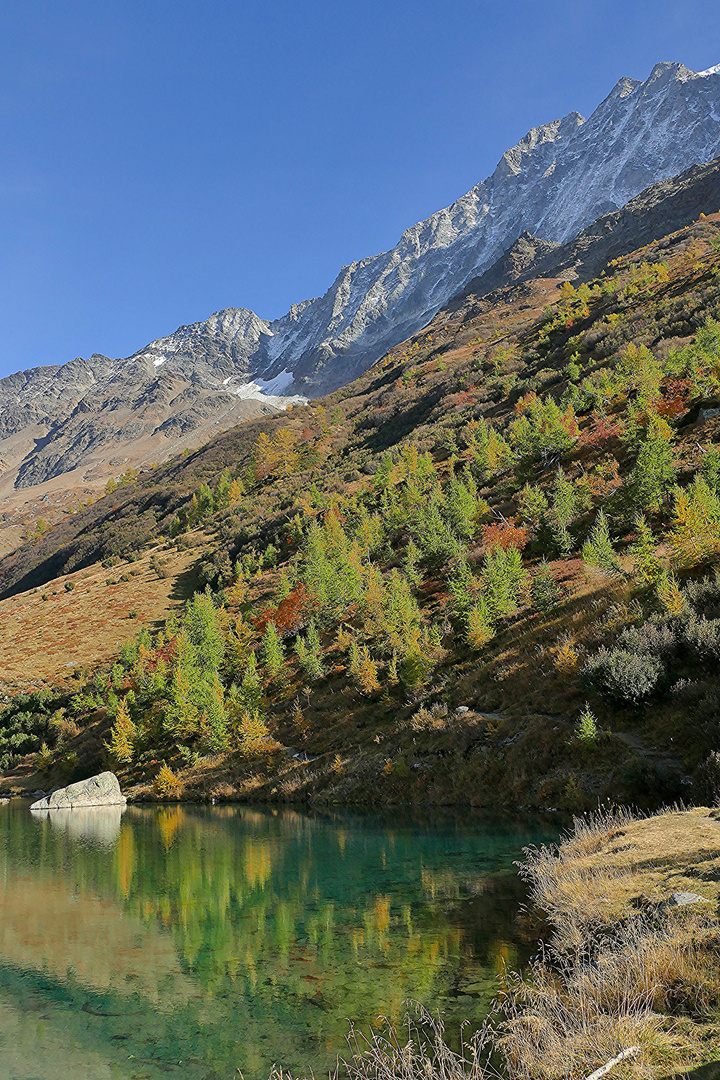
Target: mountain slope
<point x="556" y="180"/>
<point x="458" y="527"/>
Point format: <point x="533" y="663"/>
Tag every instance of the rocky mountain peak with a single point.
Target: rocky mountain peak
<point x="560" y="177"/>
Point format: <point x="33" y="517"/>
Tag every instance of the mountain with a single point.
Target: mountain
<point x="459" y="526"/>
<point x="652" y="215"/>
<point x="90" y="417"/>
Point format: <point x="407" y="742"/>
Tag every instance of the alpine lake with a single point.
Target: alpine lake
<point x="201" y="942"/>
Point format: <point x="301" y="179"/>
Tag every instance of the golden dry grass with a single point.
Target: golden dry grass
<point x="614" y="866"/>
<point x="622" y="967"/>
<point x="44" y="639"/>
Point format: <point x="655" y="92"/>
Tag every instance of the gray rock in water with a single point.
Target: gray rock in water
<point x="100" y="790"/>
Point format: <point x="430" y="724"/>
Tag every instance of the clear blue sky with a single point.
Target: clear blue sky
<point x="160" y="160"/>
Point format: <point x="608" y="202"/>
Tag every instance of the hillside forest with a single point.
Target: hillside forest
<point x="483" y="573"/>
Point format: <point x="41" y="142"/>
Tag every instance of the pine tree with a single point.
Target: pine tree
<point x="309" y="653"/>
<point x="654" y="473"/>
<point x="696" y="523"/>
<point x="564" y="504"/>
<point x="586" y="731"/>
<point x="250" y="690"/>
<point x="710" y="468"/>
<point x="222" y="490"/>
<point x="598" y="551"/>
<point x="533" y="504"/>
<point x="642" y="552"/>
<point x="670" y="594"/>
<point x="401" y="622"/>
<point x="502" y="576"/>
<point x="253" y="736"/>
<point x="315" y="668"/>
<point x="640" y="371"/>
<point x="463" y="586"/>
<point x="273" y="653"/>
<point x="412" y="558"/>
<point x="462" y="509"/>
<point x="122" y="735"/>
<point x="354" y="659"/>
<point x="479" y="626"/>
<point x="544" y="590"/>
<point x="367" y="676"/>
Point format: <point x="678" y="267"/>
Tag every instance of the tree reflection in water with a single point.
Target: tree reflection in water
<point x="234" y="937"/>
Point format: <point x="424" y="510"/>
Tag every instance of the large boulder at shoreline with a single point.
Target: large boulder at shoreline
<point x="100" y="790"/>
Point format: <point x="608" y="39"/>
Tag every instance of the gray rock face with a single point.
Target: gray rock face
<point x="100" y="790"/>
<point x="661" y="209"/>
<point x="554" y="182"/>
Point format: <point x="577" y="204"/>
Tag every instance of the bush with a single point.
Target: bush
<point x="655" y="638"/>
<point x="623" y="675"/>
<point x="702" y="636"/>
<point x="706" y="781"/>
<point x="167" y="785"/>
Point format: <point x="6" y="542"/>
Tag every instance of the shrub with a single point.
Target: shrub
<point x="623" y="675"/>
<point x="702" y="636"/>
<point x="706" y="781"/>
<point x="167" y="785"/>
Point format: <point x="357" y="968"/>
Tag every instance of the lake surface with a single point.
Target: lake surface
<point x="192" y="942"/>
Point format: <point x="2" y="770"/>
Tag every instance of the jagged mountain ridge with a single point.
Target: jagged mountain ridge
<point x="653" y="214"/>
<point x="557" y="179"/>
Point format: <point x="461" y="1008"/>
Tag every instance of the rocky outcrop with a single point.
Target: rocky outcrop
<point x="100" y="790"/>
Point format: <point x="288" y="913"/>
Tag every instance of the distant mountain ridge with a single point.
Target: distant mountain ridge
<point x="557" y="180"/>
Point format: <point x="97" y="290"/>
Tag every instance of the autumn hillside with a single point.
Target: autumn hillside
<point x="482" y="572"/>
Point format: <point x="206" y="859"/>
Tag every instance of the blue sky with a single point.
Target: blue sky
<point x="160" y="160"/>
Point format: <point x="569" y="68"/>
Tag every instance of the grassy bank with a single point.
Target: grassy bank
<point x="630" y="963"/>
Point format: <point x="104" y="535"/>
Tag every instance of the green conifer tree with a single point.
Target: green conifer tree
<point x="654" y="473"/>
<point x="648" y="569"/>
<point x="562" y="512"/>
<point x="598" y="550"/>
<point x="273" y="653"/>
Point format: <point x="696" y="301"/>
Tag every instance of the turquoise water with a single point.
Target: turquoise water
<point x="192" y="942"/>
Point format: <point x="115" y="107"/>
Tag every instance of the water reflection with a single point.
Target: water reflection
<point x="97" y="824"/>
<point x="234" y="937"/>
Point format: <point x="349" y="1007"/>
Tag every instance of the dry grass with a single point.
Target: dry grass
<point x="621" y="967"/>
<point x="613" y="865"/>
<point x="418" y="1049"/>
<point x="48" y="632"/>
